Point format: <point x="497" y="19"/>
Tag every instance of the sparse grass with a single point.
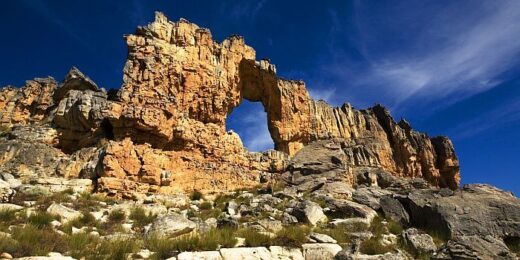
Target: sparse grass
<point x="7" y="215"/>
<point x="206" y="205"/>
<point x="8" y="244"/>
<point x="4" y="130"/>
<point x="196" y="195"/>
<point x="394" y="227"/>
<point x="87" y="220"/>
<point x="439" y="238"/>
<point x="162" y="246"/>
<point x="44" y="202"/>
<point x="292" y="236"/>
<point x="340" y="233"/>
<point x="373" y="246"/>
<point x="117" y="216"/>
<point x="117" y="248"/>
<point x="254" y="238"/>
<point x="40" y="219"/>
<point x="192" y="242"/>
<point x="82" y="245"/>
<point x="36" y="241"/>
<point x="141" y="218"/>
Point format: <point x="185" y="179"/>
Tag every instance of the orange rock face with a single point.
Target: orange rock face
<point x="166" y="125"/>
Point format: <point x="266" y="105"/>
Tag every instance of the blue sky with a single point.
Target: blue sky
<point x="449" y="67"/>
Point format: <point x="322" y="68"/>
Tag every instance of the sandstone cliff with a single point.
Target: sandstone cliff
<point x="165" y="129"/>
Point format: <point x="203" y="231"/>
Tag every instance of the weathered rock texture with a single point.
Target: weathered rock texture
<point x="165" y="129"/>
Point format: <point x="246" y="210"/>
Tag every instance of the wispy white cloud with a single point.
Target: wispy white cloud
<point x="251" y="124"/>
<point x="451" y="55"/>
<point x="326" y="94"/>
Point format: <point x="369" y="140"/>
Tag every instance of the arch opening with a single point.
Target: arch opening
<point x="249" y="121"/>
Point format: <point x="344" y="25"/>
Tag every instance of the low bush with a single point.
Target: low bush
<point x="40" y="219"/>
<point x="292" y="236"/>
<point x="7" y="215"/>
<point x="373" y="246"/>
<point x="87" y="220"/>
<point x="82" y="245"/>
<point x="254" y="238"/>
<point x="206" y="205"/>
<point x="117" y="248"/>
<point x="141" y="218"/>
<point x="196" y="195"/>
<point x="394" y="227"/>
<point x="210" y="240"/>
<point x="340" y="233"/>
<point x="117" y="216"/>
<point x="36" y="241"/>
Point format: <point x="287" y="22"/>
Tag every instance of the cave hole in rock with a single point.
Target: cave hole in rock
<point x="249" y="121"/>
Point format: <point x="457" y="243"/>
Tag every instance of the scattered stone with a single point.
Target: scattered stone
<point x="9" y="206"/>
<point x="206" y="255"/>
<point x="394" y="210"/>
<point x="320" y="251"/>
<point x="321" y="238"/>
<point x="309" y="212"/>
<point x="66" y="214"/>
<point x="245" y="253"/>
<point x="419" y="241"/>
<point x="172" y="224"/>
<point x="285" y="253"/>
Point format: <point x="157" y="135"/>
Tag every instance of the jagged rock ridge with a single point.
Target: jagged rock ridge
<point x="164" y="130"/>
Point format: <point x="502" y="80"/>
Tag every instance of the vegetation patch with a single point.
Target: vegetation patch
<point x="292" y="236"/>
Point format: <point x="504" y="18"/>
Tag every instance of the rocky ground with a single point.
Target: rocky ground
<point x="308" y="213"/>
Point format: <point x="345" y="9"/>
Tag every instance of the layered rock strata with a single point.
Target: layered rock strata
<point x="165" y="129"/>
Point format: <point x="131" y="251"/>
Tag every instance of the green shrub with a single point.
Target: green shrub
<point x="8" y="245"/>
<point x="82" y="245"/>
<point x="394" y="227"/>
<point x="7" y="215"/>
<point x="43" y="202"/>
<point x="40" y="219"/>
<point x="206" y="205"/>
<point x="206" y="241"/>
<point x="140" y="217"/>
<point x="254" y="238"/>
<point x="37" y="241"/>
<point x="292" y="236"/>
<point x="117" y="216"/>
<point x="162" y="246"/>
<point x="87" y="220"/>
<point x="373" y="246"/>
<point x="340" y="233"/>
<point x="196" y="195"/>
<point x="117" y="248"/>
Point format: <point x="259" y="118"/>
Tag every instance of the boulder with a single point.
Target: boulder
<point x="420" y="242"/>
<point x="476" y="247"/>
<point x="369" y="196"/>
<point x="320" y="251"/>
<point x="394" y="210"/>
<point x="172" y="224"/>
<point x="309" y="212"/>
<point x="245" y="253"/>
<point x="321" y="238"/>
<point x="351" y="209"/>
<point x="205" y="255"/>
<point x="285" y="253"/>
<point x="5" y="191"/>
<point x="66" y="214"/>
<point x="477" y="209"/>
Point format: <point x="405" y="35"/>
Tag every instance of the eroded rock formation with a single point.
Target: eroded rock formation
<point x="165" y="129"/>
